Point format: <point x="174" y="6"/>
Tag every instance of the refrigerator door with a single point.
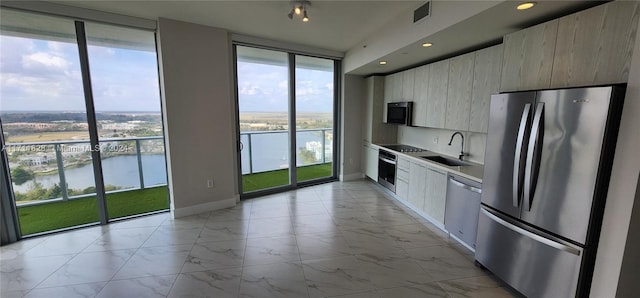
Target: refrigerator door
<point x="563" y="158"/>
<point x="534" y="265"/>
<point x="509" y="123"/>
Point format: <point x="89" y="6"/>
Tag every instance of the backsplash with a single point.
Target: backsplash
<point x="422" y="137"/>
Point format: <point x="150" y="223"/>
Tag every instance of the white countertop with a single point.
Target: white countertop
<point x="474" y="171"/>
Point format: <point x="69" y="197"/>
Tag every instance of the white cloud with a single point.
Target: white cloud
<point x="40" y="59"/>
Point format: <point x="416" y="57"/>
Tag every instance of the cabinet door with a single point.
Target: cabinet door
<point x="595" y="46"/>
<point x="420" y="86"/>
<point x="398" y="80"/>
<point x="437" y="93"/>
<point x="459" y="92"/>
<point x="402" y="189"/>
<point x="388" y="95"/>
<point x="371" y="162"/>
<point x="486" y="81"/>
<point x="417" y="185"/>
<point x="408" y="77"/>
<point x="434" y="203"/>
<point x="528" y="57"/>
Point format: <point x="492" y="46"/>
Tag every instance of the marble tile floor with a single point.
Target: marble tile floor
<point x="342" y="239"/>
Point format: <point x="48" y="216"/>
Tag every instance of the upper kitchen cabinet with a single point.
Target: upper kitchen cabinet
<point x="420" y="87"/>
<point x="528" y="57"/>
<point x="459" y="92"/>
<point x="398" y="87"/>
<point x="407" y="84"/>
<point x="374" y="130"/>
<point x="594" y="46"/>
<point x="486" y="81"/>
<point x="437" y="93"/>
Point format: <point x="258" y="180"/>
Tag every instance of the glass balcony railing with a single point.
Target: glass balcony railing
<point x="48" y="172"/>
<point x="264" y="151"/>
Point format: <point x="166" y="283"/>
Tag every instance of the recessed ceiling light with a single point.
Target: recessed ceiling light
<point x="525" y="5"/>
<point x="426" y="44"/>
<point x="382" y="62"/>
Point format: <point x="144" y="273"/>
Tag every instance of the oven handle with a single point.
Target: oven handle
<point x="391" y="161"/>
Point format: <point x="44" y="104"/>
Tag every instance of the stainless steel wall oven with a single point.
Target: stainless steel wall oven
<point x="387" y="169"/>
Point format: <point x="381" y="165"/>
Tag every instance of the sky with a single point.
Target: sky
<point x="43" y="75"/>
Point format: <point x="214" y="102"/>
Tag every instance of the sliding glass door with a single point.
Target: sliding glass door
<point x="285" y="118"/>
<point x="314" y="117"/>
<point x="82" y="130"/>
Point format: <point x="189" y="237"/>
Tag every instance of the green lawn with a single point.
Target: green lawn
<point x="270" y="179"/>
<point x="47" y="217"/>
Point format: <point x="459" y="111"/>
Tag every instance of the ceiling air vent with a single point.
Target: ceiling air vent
<point x="422" y="12"/>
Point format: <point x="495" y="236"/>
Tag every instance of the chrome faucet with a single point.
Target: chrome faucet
<point x="461" y="146"/>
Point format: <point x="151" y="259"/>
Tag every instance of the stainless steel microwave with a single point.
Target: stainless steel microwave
<point x="400" y="112"/>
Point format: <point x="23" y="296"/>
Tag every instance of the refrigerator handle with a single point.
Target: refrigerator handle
<point x="518" y="157"/>
<point x="531" y="169"/>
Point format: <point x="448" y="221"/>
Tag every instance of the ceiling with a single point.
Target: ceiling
<point x="344" y="24"/>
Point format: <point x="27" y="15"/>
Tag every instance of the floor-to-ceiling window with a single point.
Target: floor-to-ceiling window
<point x="286" y="114"/>
<point x="59" y="112"/>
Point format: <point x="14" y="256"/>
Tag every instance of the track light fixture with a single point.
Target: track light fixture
<point x="300" y="8"/>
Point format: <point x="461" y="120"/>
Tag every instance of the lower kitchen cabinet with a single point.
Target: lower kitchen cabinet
<point x="417" y="185"/>
<point x="402" y="188"/>
<point x="436" y="192"/>
<point x="370" y="161"/>
<point x="402" y="179"/>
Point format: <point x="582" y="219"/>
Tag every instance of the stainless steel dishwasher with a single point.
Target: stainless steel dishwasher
<point x="462" y="209"/>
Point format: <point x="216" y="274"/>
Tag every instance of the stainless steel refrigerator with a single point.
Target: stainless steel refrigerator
<point x="547" y="166"/>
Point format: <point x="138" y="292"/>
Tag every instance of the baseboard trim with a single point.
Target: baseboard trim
<point x="200" y="208"/>
<point x="351" y="177"/>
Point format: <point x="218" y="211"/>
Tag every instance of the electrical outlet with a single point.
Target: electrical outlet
<point x="435" y="140"/>
<point x="210" y="183"/>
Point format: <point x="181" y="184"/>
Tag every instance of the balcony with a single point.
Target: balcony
<point x="140" y="163"/>
<point x="265" y="157"/>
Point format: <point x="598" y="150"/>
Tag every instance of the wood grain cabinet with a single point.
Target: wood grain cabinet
<point x="417" y="185"/>
<point x="594" y="46"/>
<point x="528" y="57"/>
<point x="398" y="87"/>
<point x="374" y="130"/>
<point x="437" y="93"/>
<point x="370" y="161"/>
<point x="420" y="100"/>
<point x="408" y="84"/>
<point x="486" y="81"/>
<point x="459" y="92"/>
<point x="436" y="194"/>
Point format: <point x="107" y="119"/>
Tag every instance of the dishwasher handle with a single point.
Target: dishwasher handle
<point x="467" y="187"/>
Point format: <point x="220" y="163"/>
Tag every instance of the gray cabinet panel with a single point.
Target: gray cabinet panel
<point x="595" y="46"/>
<point x="437" y="93"/>
<point x="434" y="203"/>
<point x="528" y="57"/>
<point x="417" y="185"/>
<point x="398" y="79"/>
<point x="420" y="100"/>
<point x="408" y="84"/>
<point x="459" y="92"/>
<point x="486" y="81"/>
<point x="388" y="95"/>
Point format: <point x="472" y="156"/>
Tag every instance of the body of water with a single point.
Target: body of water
<point x="119" y="171"/>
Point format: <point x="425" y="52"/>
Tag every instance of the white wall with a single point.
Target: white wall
<point x="401" y="31"/>
<point x="196" y="82"/>
<point x="352" y="115"/>
<point x="616" y="228"/>
<point x="474" y="143"/>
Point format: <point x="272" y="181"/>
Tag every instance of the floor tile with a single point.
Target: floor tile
<point x="88" y="267"/>
<point x="141" y="222"/>
<point x="414" y="235"/>
<point x="320" y="246"/>
<point x="16" y="249"/>
<point x="155" y="261"/>
<point x="214" y="283"/>
<point x="215" y="255"/>
<point x="396" y="269"/>
<point x="146" y="287"/>
<point x="121" y="239"/>
<point x="261" y="251"/>
<point x="335" y="276"/>
<point x="270" y="227"/>
<point x="224" y="230"/>
<point x="432" y="290"/>
<point x="169" y="235"/>
<point x="64" y="243"/>
<point x="72" y="291"/>
<point x="480" y="287"/>
<point x="273" y="280"/>
<point x="444" y="262"/>
<point x="313" y="224"/>
<point x="24" y="273"/>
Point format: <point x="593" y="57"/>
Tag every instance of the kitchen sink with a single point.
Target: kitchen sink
<point x="446" y="161"/>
